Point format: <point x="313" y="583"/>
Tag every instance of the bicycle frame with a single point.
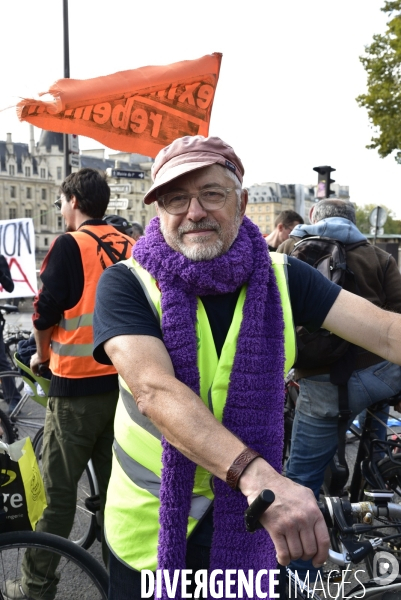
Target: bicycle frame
<point x="369" y="449"/>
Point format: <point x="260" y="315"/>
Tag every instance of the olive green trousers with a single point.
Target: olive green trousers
<point x="76" y="429"/>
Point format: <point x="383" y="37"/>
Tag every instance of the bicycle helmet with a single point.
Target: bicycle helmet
<point x="121" y="224"/>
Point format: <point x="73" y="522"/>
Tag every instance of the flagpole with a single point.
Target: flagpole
<point x="67" y="166"/>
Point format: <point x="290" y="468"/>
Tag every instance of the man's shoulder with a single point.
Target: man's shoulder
<point x="287" y="246"/>
<point x="61" y="247"/>
<point x="366" y="251"/>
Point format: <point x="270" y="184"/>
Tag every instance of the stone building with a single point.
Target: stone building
<point x="267" y="200"/>
<point x="31" y="174"/>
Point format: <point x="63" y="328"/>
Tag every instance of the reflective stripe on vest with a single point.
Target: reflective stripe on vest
<point x="74" y="323"/>
<point x="72" y="339"/>
<point x="146" y="479"/>
<point x="132" y="508"/>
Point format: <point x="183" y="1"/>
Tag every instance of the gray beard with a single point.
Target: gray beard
<point x="197" y="252"/>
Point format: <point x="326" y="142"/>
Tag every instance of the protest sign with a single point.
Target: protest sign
<point x="17" y="245"/>
<point x="141" y="110"/>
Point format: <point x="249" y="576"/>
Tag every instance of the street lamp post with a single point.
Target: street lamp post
<point x="67" y="166"/>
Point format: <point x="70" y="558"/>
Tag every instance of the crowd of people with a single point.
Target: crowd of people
<point x="168" y="351"/>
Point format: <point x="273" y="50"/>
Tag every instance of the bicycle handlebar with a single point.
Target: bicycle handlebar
<point x="9" y="308"/>
<point x="338" y="514"/>
<point x="256" y="509"/>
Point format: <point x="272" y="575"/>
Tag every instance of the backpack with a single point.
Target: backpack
<point x="322" y="348"/>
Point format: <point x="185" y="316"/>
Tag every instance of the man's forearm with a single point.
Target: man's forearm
<point x="185" y="421"/>
<point x="43" y="339"/>
<point x="359" y="321"/>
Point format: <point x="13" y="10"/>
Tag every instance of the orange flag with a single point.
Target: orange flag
<point x="142" y="110"/>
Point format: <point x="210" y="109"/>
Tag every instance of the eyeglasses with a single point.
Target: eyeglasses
<point x="57" y="203"/>
<point x="176" y="203"/>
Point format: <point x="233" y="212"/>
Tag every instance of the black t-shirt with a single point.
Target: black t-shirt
<point x="122" y="309"/>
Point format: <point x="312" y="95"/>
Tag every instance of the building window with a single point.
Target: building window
<point x="28" y="193"/>
<point x="43" y="216"/>
<point x="46" y="241"/>
<point x="59" y="222"/>
<point x="43" y="173"/>
<point x="12" y="191"/>
<point x="28" y="213"/>
<point x="43" y="193"/>
<point x="27" y="171"/>
<point x="59" y="173"/>
<point x="11" y="169"/>
<point x="142" y="186"/>
<point x="143" y="221"/>
<point x="12" y="213"/>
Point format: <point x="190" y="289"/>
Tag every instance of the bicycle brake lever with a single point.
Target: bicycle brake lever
<point x="256" y="509"/>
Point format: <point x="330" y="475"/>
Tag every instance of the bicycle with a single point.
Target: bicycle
<point x="26" y="417"/>
<point x="377" y="465"/>
<point x="11" y="334"/>
<point x="348" y="522"/>
<point x="86" y="527"/>
<point x="78" y="577"/>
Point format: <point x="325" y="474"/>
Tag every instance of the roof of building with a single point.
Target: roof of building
<point x="101" y="164"/>
<point x="20" y="151"/>
<point x="51" y="138"/>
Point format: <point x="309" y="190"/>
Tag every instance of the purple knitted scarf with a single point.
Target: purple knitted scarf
<point x="254" y="406"/>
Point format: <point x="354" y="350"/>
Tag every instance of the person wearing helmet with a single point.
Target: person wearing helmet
<point x="134" y="230"/>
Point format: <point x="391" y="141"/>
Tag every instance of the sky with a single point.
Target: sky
<point x="289" y="77"/>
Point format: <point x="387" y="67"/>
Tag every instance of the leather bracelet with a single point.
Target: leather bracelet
<point x="238" y="467"/>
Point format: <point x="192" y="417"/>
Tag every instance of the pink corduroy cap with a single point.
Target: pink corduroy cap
<point x="188" y="154"/>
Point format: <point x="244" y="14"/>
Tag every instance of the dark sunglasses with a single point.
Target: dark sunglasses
<point x="57" y="203"/>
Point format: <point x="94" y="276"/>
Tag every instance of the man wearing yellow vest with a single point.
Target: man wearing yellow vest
<point x="200" y="326"/>
<point x="83" y="394"/>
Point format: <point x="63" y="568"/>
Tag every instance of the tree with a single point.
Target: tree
<point x="382" y="63"/>
<point x="392" y="225"/>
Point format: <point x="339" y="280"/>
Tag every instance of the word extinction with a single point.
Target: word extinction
<point x="155" y="113"/>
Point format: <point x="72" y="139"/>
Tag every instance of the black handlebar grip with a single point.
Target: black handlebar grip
<point x="43" y="369"/>
<point x="256" y="509"/>
<point x="326" y="513"/>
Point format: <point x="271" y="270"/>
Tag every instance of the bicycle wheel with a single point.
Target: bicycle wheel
<point x="28" y="416"/>
<point x="83" y="531"/>
<point x="78" y="575"/>
<point x="6" y="429"/>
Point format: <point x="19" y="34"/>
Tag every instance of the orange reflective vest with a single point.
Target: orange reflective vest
<point x="72" y="339"/>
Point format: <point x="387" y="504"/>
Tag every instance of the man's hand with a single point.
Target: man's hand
<point x="42" y="355"/>
<point x="294" y="520"/>
<point x="36" y="362"/>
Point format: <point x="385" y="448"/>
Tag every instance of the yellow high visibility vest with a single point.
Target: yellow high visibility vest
<point x="132" y="509"/>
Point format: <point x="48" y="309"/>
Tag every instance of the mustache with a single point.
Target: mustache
<point x="199" y="225"/>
